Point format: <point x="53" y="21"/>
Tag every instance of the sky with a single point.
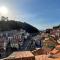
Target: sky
<point x="42" y="14"/>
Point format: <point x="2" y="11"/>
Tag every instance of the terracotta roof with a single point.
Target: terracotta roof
<point x="45" y="57"/>
<point x="38" y="52"/>
<point x="21" y="55"/>
<point x="28" y="53"/>
<point x="55" y="50"/>
<point x="58" y="46"/>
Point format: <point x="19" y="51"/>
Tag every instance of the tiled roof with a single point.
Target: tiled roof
<point x="21" y="55"/>
<point x="45" y="57"/>
<point x="28" y="54"/>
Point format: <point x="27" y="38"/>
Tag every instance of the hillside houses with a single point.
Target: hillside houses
<point x="14" y="38"/>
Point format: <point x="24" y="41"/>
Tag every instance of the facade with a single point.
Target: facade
<point x="14" y="38"/>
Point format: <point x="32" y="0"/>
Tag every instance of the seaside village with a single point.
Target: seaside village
<point x="21" y="45"/>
